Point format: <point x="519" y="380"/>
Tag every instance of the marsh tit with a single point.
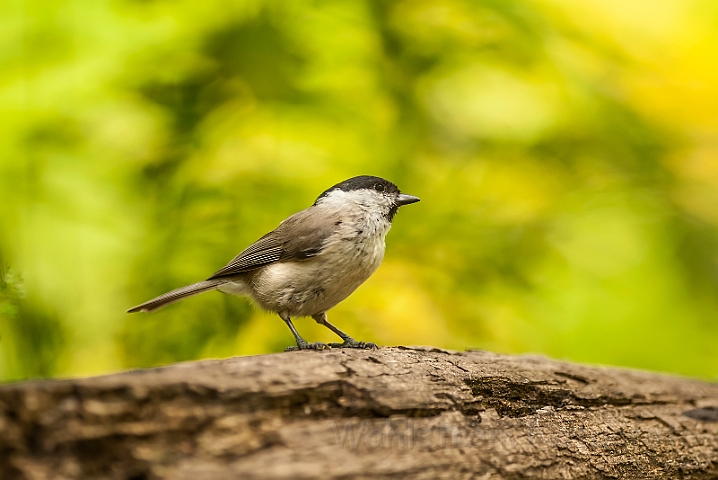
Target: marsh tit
<point x="313" y="260"/>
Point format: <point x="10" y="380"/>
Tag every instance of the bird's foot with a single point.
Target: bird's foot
<point x="308" y="346"/>
<point x="351" y="343"/>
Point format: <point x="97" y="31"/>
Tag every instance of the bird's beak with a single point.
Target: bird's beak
<point x="404" y="199"/>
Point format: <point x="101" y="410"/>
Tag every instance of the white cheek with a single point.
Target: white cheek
<point x="367" y="200"/>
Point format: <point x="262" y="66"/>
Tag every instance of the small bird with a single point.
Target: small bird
<point x="313" y="260"/>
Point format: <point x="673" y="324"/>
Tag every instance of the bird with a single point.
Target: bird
<point x="313" y="260"/>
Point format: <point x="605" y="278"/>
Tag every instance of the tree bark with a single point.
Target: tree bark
<point x="387" y="413"/>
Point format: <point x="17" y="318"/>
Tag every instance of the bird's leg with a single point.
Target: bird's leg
<point x="349" y="342"/>
<point x="301" y="343"/>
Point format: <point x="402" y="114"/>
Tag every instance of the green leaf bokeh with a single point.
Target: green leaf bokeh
<point x="566" y="155"/>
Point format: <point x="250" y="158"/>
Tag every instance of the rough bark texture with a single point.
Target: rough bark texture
<point x="388" y="413"/>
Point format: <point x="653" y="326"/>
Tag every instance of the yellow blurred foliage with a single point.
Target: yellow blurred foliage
<point x="565" y="154"/>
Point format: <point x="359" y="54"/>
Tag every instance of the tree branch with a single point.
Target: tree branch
<point x="393" y="412"/>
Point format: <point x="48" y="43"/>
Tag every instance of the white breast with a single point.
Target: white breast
<point x="312" y="286"/>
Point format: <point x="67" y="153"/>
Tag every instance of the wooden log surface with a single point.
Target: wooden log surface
<point x="389" y="413"/>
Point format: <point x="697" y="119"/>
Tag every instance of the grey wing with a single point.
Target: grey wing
<point x="264" y="251"/>
<point x="299" y="237"/>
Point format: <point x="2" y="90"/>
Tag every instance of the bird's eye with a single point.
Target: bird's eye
<point x="379" y="187"/>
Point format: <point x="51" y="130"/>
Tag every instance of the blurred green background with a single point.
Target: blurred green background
<point x="566" y="155"/>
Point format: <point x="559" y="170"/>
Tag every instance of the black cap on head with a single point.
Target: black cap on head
<point x="367" y="182"/>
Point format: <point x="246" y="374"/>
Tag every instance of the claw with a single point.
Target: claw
<point x="351" y="343"/>
<point x="308" y="346"/>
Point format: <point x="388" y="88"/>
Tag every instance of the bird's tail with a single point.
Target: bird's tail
<point x="177" y="294"/>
